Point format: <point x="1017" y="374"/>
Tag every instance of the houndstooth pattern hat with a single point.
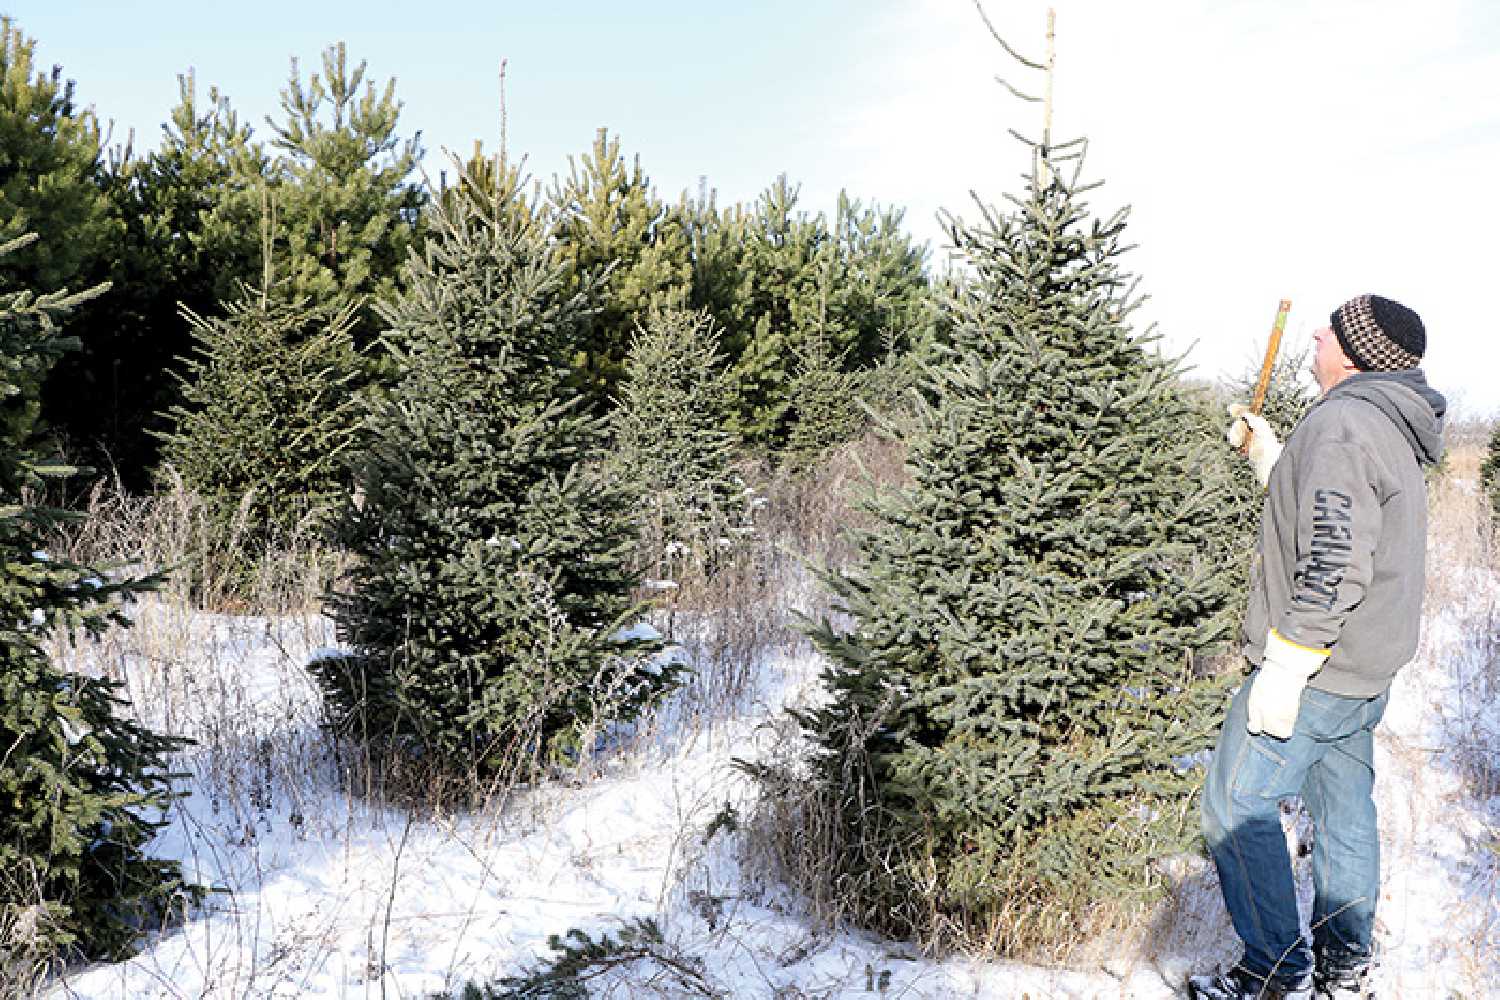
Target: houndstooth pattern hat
<point x="1379" y="334"/>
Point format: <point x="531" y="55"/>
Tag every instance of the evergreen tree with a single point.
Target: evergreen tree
<point x="857" y="285"/>
<point x="49" y="166"/>
<point x="175" y="253"/>
<point x="671" y="440"/>
<point x="344" y="206"/>
<point x="779" y="254"/>
<point x="484" y="618"/>
<point x="623" y="245"/>
<point x="267" y="414"/>
<point x="49" y="186"/>
<point x="80" y="784"/>
<point x="825" y="408"/>
<point x="1012" y="701"/>
<point x="1489" y="473"/>
<point x="716" y="245"/>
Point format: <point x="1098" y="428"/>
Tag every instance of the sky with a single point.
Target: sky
<point x="1267" y="149"/>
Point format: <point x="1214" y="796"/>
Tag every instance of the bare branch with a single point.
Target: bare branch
<point x="1003" y="44"/>
<point x="1013" y="90"/>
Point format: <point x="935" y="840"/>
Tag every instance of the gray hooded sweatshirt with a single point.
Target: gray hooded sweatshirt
<point x="1341" y="562"/>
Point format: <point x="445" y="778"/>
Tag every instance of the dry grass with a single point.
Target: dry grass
<point x="1463" y="596"/>
<point x="730" y="620"/>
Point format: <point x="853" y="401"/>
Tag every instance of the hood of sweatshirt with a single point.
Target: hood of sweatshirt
<point x="1416" y="408"/>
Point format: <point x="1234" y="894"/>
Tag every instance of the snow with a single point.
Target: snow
<point x="320" y="893"/>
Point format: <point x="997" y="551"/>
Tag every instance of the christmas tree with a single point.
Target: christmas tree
<point x="493" y="583"/>
<point x="82" y="787"/>
<point x="267" y="415"/>
<point x="1013" y="705"/>
<point x="671" y="440"/>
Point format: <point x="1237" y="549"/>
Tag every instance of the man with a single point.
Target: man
<point x="1335" y="606"/>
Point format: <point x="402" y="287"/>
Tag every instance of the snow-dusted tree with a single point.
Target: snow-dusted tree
<point x="493" y="579"/>
<point x="1013" y="704"/>
<point x="672" y="441"/>
<point x="81" y="785"/>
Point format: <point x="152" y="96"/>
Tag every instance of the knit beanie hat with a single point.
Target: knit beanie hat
<point x="1378" y="334"/>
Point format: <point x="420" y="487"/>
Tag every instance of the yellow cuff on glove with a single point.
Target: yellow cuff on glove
<point x="1276" y="693"/>
<point x="1264" y="450"/>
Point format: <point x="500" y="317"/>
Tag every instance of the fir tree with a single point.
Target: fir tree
<point x="825" y="409"/>
<point x="625" y="248"/>
<point x="484" y="618"/>
<point x="268" y="411"/>
<point x="1489" y="473"/>
<point x="671" y="440"/>
<point x="1012" y="701"/>
<point x="80" y="784"/>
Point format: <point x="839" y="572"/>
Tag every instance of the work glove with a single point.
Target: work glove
<point x="1265" y="449"/>
<point x="1276" y="691"/>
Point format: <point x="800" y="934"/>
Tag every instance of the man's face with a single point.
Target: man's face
<point x="1330" y="365"/>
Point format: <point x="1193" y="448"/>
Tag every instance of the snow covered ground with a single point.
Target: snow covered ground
<point x="321" y="894"/>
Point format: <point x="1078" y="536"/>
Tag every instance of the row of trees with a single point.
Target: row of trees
<point x="320" y="215"/>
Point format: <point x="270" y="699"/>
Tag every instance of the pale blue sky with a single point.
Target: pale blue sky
<point x="1268" y="148"/>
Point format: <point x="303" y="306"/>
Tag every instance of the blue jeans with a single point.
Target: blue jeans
<point x="1329" y="762"/>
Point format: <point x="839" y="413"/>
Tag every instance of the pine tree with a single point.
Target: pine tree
<point x="1012" y="702"/>
<point x="345" y="207"/>
<point x="80" y="784"/>
<point x="484" y="618"/>
<point x="857" y="284"/>
<point x="48" y="172"/>
<point x="764" y="334"/>
<point x="671" y="439"/>
<point x="49" y="186"/>
<point x="621" y="242"/>
<point x="268" y="412"/>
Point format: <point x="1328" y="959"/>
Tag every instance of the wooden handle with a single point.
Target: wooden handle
<point x="1273" y="345"/>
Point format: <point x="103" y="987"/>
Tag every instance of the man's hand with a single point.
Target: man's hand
<point x="1265" y="449"/>
<point x="1276" y="693"/>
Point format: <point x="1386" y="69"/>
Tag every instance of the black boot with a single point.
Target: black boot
<point x="1239" y="983"/>
<point x="1342" y="976"/>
